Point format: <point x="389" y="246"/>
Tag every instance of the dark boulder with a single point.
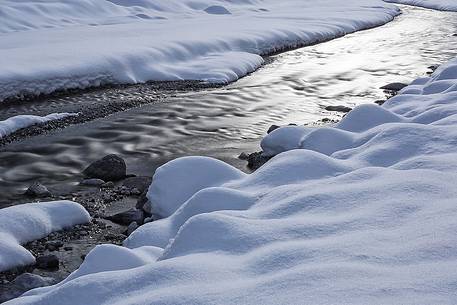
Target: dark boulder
<point x="338" y="108"/>
<point x="394" y="87"/>
<point x="109" y="168"/>
<point x="37" y="190"/>
<point x="127" y="217"/>
<point x="272" y="128"/>
<point x="256" y="160"/>
<point x="47" y="262"/>
<point x="140" y="183"/>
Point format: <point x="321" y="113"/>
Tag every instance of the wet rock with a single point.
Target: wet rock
<point x="37" y="190"/>
<point x="141" y="183"/>
<point x="148" y="219"/>
<point x="339" y="108"/>
<point x="127" y="217"/>
<point x="256" y="160"/>
<point x="394" y="87"/>
<point x="143" y="203"/>
<point x="108" y="185"/>
<point x="109" y="168"/>
<point x="93" y="182"/>
<point x="243" y="156"/>
<point x="380" y="102"/>
<point x="132" y="227"/>
<point x="54" y="245"/>
<point x="68" y="248"/>
<point x="272" y="128"/>
<point x="47" y="262"/>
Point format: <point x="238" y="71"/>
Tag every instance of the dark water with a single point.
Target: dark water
<point x="223" y="122"/>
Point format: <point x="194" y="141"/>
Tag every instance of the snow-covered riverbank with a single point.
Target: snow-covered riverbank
<point x="443" y="5"/>
<point x="81" y="44"/>
<point x="361" y="213"/>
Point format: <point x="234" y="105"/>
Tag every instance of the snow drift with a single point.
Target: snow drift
<point x="27" y="222"/>
<point x="15" y="123"/>
<point x="361" y="213"/>
<point x="79" y="44"/>
<point x="443" y="5"/>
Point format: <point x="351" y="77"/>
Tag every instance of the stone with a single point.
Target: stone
<point x="243" y="156"/>
<point x="38" y="190"/>
<point x="380" y="102"/>
<point x="132" y="227"/>
<point x="256" y="160"/>
<point x="93" y="182"/>
<point x="272" y="128"/>
<point x="108" y="185"/>
<point x="394" y="87"/>
<point x="127" y="217"/>
<point x="109" y="168"/>
<point x="53" y="245"/>
<point x="339" y="108"/>
<point x="47" y="262"/>
<point x="140" y="183"/>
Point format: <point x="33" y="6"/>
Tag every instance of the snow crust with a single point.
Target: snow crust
<point x="359" y="213"/>
<point x="27" y="222"/>
<point x="443" y="5"/>
<point x="15" y="123"/>
<point x="53" y="45"/>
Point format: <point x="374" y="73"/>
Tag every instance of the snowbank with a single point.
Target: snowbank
<point x="78" y="44"/>
<point x="362" y="213"/>
<point x="443" y="5"/>
<point x="15" y="123"/>
<point x="26" y="222"/>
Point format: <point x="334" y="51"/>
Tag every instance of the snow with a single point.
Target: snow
<point x="23" y="223"/>
<point x="15" y="123"/>
<point x="54" y="45"/>
<point x="359" y="213"/>
<point x="443" y="5"/>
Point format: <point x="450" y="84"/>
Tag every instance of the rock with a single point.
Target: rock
<point x="92" y="182"/>
<point x="243" y="156"/>
<point x="256" y="160"/>
<point x="109" y="168"/>
<point x="143" y="203"/>
<point x="394" y="87"/>
<point x="47" y="262"/>
<point x="37" y="190"/>
<point x="380" y="102"/>
<point x="127" y="217"/>
<point x="272" y="128"/>
<point x="68" y="248"/>
<point x="339" y="108"/>
<point x="108" y="185"/>
<point x="132" y="227"/>
<point x="53" y="245"/>
<point x="148" y="219"/>
<point x="141" y="183"/>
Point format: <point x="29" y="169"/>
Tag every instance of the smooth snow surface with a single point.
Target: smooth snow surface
<point x="51" y="45"/>
<point x="15" y="123"/>
<point x="443" y="5"/>
<point x="23" y="223"/>
<point x="362" y="213"/>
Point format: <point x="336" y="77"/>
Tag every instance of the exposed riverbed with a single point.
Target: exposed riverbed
<point x="221" y="122"/>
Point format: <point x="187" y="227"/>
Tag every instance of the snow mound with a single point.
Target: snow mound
<point x="127" y="42"/>
<point x="27" y="222"/>
<point x="442" y="5"/>
<point x="361" y="213"/>
<point x="15" y="123"/>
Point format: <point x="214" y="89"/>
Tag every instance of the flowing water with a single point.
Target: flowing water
<point x="293" y="88"/>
